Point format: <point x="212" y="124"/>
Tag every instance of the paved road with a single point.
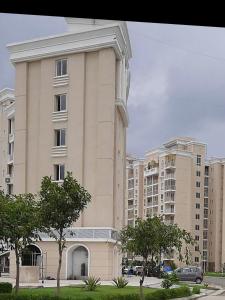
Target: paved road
<point x="215" y="280"/>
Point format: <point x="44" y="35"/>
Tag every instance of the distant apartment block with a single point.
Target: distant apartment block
<point x="177" y="182"/>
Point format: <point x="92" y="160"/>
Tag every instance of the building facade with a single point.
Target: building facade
<point x="185" y="188"/>
<point x="70" y="115"/>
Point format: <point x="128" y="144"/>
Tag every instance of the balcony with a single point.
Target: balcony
<point x="152" y="171"/>
<point x="170" y="164"/>
<point x="170" y="188"/>
<point x="169" y="210"/>
<point x="169" y="200"/>
<point x="170" y="176"/>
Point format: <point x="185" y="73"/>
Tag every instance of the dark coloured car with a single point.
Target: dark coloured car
<point x="190" y="274"/>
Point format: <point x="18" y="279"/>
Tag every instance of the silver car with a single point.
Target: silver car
<point x="190" y="274"/>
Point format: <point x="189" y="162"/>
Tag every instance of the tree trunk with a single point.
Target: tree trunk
<point x="142" y="280"/>
<point x="17" y="269"/>
<point x="59" y="267"/>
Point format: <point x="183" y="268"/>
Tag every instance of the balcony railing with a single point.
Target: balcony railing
<point x="170" y="188"/>
<point x="169" y="176"/>
<point x="11" y="137"/>
<point x="169" y="199"/>
<point x="10" y="157"/>
<point x="170" y="164"/>
<point x="152" y="171"/>
<point x="169" y="211"/>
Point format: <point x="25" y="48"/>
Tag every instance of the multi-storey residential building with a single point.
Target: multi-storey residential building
<point x="176" y="184"/>
<point x="7" y="123"/>
<point x="134" y="207"/>
<point x="214" y="209"/>
<point x="70" y="115"/>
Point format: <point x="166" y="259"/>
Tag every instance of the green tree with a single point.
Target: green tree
<point x="150" y="238"/>
<point x="60" y="207"/>
<point x="19" y="224"/>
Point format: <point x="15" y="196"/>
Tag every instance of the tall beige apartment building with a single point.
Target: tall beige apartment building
<point x="177" y="182"/>
<point x="69" y="113"/>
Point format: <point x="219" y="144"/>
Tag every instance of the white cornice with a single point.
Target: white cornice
<point x="107" y="36"/>
<point x="7" y="94"/>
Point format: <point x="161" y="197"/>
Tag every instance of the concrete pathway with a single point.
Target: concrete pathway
<point x="133" y="281"/>
<point x="217" y="295"/>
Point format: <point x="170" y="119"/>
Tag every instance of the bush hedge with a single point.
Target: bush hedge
<point x="196" y="290"/>
<point x="5" y="287"/>
<point x="31" y="297"/>
<point x="161" y="294"/>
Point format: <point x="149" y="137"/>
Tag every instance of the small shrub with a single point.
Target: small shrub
<point x="196" y="290"/>
<point x="91" y="283"/>
<point x="120" y="282"/>
<point x="206" y="285"/>
<point x="5" y="287"/>
<point x="169" y="280"/>
<point x="183" y="291"/>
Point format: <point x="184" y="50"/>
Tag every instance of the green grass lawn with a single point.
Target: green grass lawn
<point x="78" y="292"/>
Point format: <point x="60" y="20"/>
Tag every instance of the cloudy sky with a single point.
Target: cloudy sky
<point x="177" y="79"/>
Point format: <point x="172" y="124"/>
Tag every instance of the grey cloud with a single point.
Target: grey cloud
<point x="176" y="89"/>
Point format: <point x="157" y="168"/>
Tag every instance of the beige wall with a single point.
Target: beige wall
<point x="95" y="136"/>
<point x="104" y="259"/>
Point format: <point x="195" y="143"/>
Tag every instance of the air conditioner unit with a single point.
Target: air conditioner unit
<point x="7" y="180"/>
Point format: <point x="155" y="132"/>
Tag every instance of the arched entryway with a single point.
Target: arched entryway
<point x="77" y="262"/>
<point x="31" y="256"/>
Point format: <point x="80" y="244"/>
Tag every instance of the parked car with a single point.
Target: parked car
<point x="138" y="270"/>
<point x="190" y="273"/>
<point x="124" y="270"/>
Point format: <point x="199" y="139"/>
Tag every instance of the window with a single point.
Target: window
<point x="198" y="160"/>
<point x="10" y="126"/>
<point x="61" y="67"/>
<point x="206" y="213"/>
<point x="198" y="195"/>
<point x="206" y="202"/>
<point x="197" y="216"/>
<point x="198" y="173"/>
<point x="60" y="102"/>
<point x="59" y="172"/>
<point x="10" y="148"/>
<point x="10" y="169"/>
<point x="205" y="235"/>
<point x="197" y="205"/>
<point x="196" y="259"/>
<point x="198" y="183"/>
<point x="196" y="248"/>
<point x="196" y="227"/>
<point x="204" y="244"/>
<point x="197" y="237"/>
<point x="60" y="137"/>
<point x="206" y="181"/>
<point x="205" y="223"/>
<point x="9" y="189"/>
